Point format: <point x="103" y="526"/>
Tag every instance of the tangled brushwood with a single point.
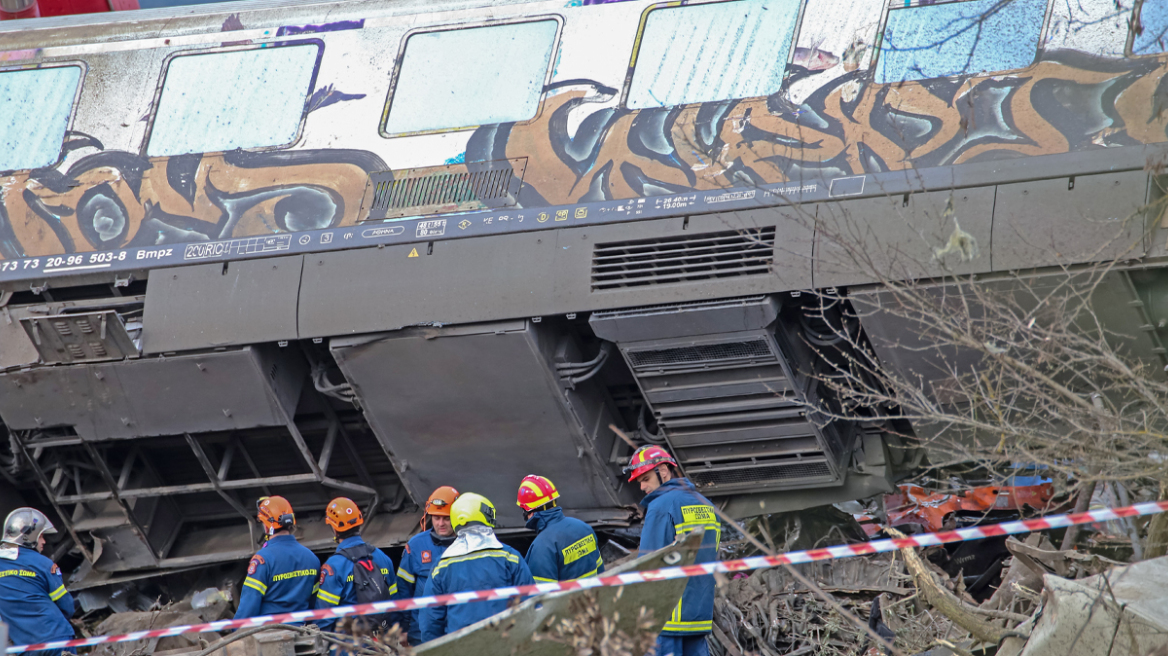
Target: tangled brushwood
<point x="589" y="632"/>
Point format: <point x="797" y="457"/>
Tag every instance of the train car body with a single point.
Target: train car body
<point x="453" y="242"/>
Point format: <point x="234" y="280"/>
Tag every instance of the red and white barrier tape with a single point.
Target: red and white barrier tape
<point x="744" y="564"/>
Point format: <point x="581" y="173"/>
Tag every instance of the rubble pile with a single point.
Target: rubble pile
<point x="997" y="596"/>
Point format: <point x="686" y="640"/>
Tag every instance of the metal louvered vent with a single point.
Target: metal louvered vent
<point x="799" y="473"/>
<point x="645" y="262"/>
<point x="68" y="338"/>
<point x="452" y="188"/>
<point x="720" y="354"/>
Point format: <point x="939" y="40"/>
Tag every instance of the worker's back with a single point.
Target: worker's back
<point x="496" y="567"/>
<point x="33" y="599"/>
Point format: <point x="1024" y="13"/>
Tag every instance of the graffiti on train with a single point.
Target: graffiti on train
<point x="844" y="124"/>
<point x="113" y="199"/>
<point x="1068" y="102"/>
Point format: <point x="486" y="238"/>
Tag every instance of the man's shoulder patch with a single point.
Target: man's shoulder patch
<point x="256" y="561"/>
<point x="427" y="556"/>
<point x="54" y="569"/>
<point x="408" y="548"/>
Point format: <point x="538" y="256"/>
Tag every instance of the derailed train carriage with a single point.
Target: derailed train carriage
<point x="375" y="247"/>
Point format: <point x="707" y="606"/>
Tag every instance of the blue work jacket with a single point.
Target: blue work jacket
<point x="33" y="599"/>
<point x="671" y="510"/>
<point x="336" y="580"/>
<point x="564" y="548"/>
<point x="421" y="554"/>
<point x="477" y="570"/>
<point x="280" y="579"/>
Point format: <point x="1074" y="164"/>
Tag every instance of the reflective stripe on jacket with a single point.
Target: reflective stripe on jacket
<point x="33" y="599"/>
<point x="336" y="580"/>
<point x="673" y="509"/>
<point x="477" y="570"/>
<point x="421" y="554"/>
<point x="280" y="579"/>
<point x="565" y="548"/>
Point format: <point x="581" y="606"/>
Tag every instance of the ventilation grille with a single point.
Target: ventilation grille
<point x="674" y="309"/>
<point x="80" y="337"/>
<point x="721" y="354"/>
<point x="454" y="188"/>
<point x="642" y="263"/>
<point x="790" y="474"/>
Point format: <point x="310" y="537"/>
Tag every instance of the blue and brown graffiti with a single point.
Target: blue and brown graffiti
<point x="112" y="199"/>
<point x="1068" y="102"/>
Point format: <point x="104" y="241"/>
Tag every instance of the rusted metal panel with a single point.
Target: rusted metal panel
<point x="440" y="189"/>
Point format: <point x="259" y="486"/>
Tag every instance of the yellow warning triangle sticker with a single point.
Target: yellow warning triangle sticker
<point x="413" y="252"/>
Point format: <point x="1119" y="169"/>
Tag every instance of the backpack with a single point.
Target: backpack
<point x="368" y="584"/>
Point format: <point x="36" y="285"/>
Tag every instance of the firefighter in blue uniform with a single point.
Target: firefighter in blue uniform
<point x="673" y="507"/>
<point x="336" y="586"/>
<point x="422" y="553"/>
<point x="476" y="561"/>
<point x="282" y="575"/>
<point x="33" y="599"/>
<point x="564" y="548"/>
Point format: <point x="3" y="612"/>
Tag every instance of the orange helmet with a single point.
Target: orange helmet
<point x="440" y="501"/>
<point x="646" y="460"/>
<point x="275" y="513"/>
<point x="534" y="492"/>
<point x="342" y="514"/>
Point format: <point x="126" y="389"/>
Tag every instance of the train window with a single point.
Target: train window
<point x="1154" y="37"/>
<point x="1097" y="27"/>
<point x="462" y="78"/>
<point x="959" y="38"/>
<point x="713" y="51"/>
<point x="35" y="106"/>
<point x="227" y="100"/>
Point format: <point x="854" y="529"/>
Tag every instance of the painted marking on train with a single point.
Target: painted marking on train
<point x="431" y="228"/>
<point x="373" y="233"/>
<point x="413" y="253"/>
<point x="850" y="186"/>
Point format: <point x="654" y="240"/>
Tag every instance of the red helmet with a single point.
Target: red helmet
<point x="646" y="459"/>
<point x="535" y="491"/>
<point x="342" y="514"/>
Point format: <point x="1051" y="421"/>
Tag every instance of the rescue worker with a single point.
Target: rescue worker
<point x="564" y="548"/>
<point x="673" y="507"/>
<point x="336" y="574"/>
<point x="33" y="599"/>
<point x="282" y="574"/>
<point x="476" y="561"/>
<point x="422" y="553"/>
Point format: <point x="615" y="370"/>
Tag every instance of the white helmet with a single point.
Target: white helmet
<point x="24" y="526"/>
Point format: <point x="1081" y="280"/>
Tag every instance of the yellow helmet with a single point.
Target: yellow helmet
<point x="470" y="508"/>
